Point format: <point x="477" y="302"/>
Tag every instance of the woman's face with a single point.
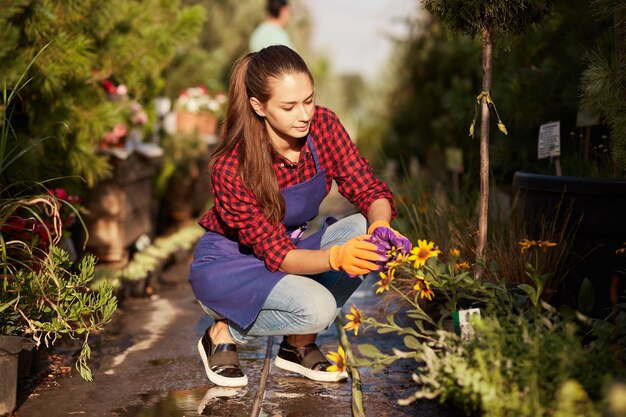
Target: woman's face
<point x="289" y="110"/>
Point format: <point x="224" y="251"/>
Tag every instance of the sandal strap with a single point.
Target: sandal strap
<point x="225" y="355"/>
<point x="312" y="357"/>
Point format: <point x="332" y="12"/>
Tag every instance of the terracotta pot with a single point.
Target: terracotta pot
<point x="203" y="123"/>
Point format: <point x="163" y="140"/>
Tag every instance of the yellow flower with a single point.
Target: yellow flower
<point x="423" y="287"/>
<point x="525" y="244"/>
<point x="545" y="244"/>
<point x="464" y="265"/>
<point x="422" y="252"/>
<point x="339" y="358"/>
<point x="396" y="258"/>
<point x="385" y="280"/>
<point x="455" y="252"/>
<point x="355" y="320"/>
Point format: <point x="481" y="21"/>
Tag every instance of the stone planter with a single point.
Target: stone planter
<point x="121" y="208"/>
<point x="596" y="210"/>
<point x="15" y="361"/>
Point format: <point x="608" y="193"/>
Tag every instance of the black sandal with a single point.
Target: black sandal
<point x="221" y="362"/>
<point x="308" y="361"/>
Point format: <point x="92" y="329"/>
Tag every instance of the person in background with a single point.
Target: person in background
<point x="272" y="30"/>
<point x="253" y="271"/>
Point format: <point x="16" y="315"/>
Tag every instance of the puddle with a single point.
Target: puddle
<point x="214" y="401"/>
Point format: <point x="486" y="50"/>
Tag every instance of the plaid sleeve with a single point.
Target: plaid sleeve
<point x="355" y="178"/>
<point x="239" y="212"/>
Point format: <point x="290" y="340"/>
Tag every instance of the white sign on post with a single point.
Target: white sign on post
<point x="549" y="140"/>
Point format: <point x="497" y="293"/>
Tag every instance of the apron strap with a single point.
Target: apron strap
<point x="314" y="153"/>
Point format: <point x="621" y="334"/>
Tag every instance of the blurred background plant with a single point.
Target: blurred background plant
<point x="181" y="184"/>
<point x="431" y="102"/>
<point x="603" y="82"/>
<point x="133" y="117"/>
<point x="90" y="43"/>
<point x="199" y="99"/>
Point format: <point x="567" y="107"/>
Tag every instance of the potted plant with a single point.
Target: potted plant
<point x="197" y="110"/>
<point x="182" y="184"/>
<point x="44" y="294"/>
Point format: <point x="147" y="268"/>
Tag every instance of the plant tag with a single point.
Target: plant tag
<point x="549" y="140"/>
<point x="462" y="325"/>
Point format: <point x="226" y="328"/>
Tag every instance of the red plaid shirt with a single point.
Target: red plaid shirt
<point x="236" y="212"/>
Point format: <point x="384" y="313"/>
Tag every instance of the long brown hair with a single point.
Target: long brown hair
<point x="251" y="77"/>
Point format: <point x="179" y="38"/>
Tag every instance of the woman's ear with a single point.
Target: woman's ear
<point x="256" y="106"/>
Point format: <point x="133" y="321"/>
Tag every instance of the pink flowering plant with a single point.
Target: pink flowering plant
<point x="199" y="99"/>
<point x="131" y="115"/>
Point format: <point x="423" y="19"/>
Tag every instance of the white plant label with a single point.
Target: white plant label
<point x="549" y="140"/>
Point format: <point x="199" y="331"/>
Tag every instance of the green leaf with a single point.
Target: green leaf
<point x="369" y="350"/>
<point x="412" y="342"/>
<point x="383" y="330"/>
<point x="586" y="296"/>
<point x="358" y="362"/>
<point x="7" y="305"/>
<point x="528" y="289"/>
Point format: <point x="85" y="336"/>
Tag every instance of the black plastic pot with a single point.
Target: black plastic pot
<point x="596" y="209"/>
<point x="12" y="349"/>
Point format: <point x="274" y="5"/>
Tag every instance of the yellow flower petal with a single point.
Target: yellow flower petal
<point x="422" y="252"/>
<point x="339" y="358"/>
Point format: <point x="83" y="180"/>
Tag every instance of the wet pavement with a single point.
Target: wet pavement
<point x="146" y="363"/>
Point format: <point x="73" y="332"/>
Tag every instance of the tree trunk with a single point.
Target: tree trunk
<point x="483" y="204"/>
<point x="619" y="20"/>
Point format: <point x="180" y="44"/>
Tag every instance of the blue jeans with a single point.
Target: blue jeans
<point x="305" y="304"/>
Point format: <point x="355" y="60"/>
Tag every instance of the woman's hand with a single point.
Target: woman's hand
<point x="356" y="256"/>
<point x="392" y="236"/>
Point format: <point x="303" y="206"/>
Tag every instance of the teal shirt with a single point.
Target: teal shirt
<point x="267" y="34"/>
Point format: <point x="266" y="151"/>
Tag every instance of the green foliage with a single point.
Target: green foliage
<point x="536" y="79"/>
<point x="431" y="102"/>
<point x="604" y="92"/>
<point x="506" y="17"/>
<point x="181" y="159"/>
<point x="521" y="358"/>
<point x="89" y="41"/>
<point x="44" y="296"/>
<point x="222" y="39"/>
<point x="53" y="300"/>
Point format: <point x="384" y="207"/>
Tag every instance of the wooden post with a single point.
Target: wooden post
<point x="483" y="204"/>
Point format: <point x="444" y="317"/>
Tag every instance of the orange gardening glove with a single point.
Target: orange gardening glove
<point x="356" y="256"/>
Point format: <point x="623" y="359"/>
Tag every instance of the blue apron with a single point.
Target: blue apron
<point x="227" y="277"/>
